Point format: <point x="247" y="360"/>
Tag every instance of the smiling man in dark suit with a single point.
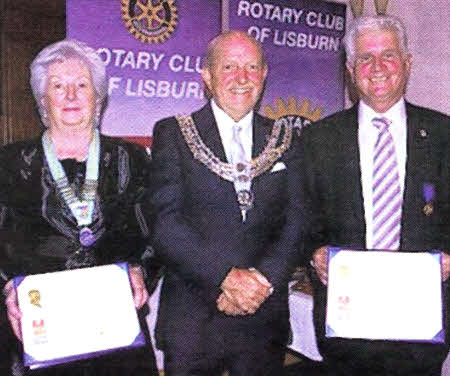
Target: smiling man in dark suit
<point x="377" y="177"/>
<point x="228" y="223"/>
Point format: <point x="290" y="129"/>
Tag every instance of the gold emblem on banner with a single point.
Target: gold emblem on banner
<point x="298" y="116"/>
<point x="151" y="21"/>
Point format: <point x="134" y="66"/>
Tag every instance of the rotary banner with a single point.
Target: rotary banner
<point x="302" y="42"/>
<point x="153" y="50"/>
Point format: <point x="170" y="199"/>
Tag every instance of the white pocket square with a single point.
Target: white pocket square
<point x="278" y="167"/>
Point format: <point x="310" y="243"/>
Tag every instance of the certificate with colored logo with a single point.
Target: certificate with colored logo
<point x="76" y="314"/>
<point x="385" y="295"/>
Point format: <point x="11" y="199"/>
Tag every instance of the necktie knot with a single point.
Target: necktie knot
<point x="237" y="129"/>
<point x="382" y="124"/>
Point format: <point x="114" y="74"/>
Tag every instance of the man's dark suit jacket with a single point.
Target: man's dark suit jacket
<point x="333" y="176"/>
<point x="199" y="235"/>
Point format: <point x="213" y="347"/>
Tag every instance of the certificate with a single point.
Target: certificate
<point x="385" y="295"/>
<point x="76" y="314"/>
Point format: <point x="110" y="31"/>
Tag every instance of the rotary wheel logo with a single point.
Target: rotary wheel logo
<point x="151" y="21"/>
<point x="297" y="116"/>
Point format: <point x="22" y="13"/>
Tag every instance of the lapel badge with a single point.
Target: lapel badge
<point x="428" y="209"/>
<point x="423" y="133"/>
<point x="428" y="195"/>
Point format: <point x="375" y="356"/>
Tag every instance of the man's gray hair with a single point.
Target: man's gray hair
<point x="366" y="23"/>
<point x="60" y="52"/>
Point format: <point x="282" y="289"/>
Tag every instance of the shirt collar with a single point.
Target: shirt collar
<point x="223" y="118"/>
<point x="395" y="113"/>
<point x="225" y="126"/>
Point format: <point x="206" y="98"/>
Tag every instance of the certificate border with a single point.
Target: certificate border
<point x="29" y="361"/>
<point x="439" y="337"/>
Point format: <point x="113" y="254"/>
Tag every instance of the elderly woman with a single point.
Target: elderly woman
<point x="72" y="198"/>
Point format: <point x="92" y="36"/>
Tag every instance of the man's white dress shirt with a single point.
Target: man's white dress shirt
<point x="367" y="136"/>
<point x="225" y="124"/>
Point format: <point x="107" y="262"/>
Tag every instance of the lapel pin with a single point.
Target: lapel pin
<point x="428" y="195"/>
<point x="428" y="209"/>
<point x="423" y="133"/>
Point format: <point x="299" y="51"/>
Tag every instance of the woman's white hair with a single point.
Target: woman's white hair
<point x="362" y="24"/>
<point x="60" y="52"/>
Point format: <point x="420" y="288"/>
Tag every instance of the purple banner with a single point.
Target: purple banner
<point x="302" y="42"/>
<point x="152" y="50"/>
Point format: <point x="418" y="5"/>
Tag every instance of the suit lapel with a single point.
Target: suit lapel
<point x="209" y="132"/>
<point x="350" y="170"/>
<point x="261" y="133"/>
<point x="418" y="170"/>
<point x="418" y="147"/>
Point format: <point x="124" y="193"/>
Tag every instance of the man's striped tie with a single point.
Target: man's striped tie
<point x="387" y="197"/>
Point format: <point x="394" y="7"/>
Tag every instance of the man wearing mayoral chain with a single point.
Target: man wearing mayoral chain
<point x="229" y="222"/>
<point x="377" y="176"/>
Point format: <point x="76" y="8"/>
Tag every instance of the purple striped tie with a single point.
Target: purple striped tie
<point x="387" y="197"/>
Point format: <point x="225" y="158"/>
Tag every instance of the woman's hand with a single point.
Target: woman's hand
<point x="319" y="262"/>
<point x="13" y="311"/>
<point x="140" y="293"/>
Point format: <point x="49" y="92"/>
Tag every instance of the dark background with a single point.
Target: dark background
<point x="26" y="26"/>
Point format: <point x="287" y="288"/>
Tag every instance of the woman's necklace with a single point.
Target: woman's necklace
<point x="82" y="208"/>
